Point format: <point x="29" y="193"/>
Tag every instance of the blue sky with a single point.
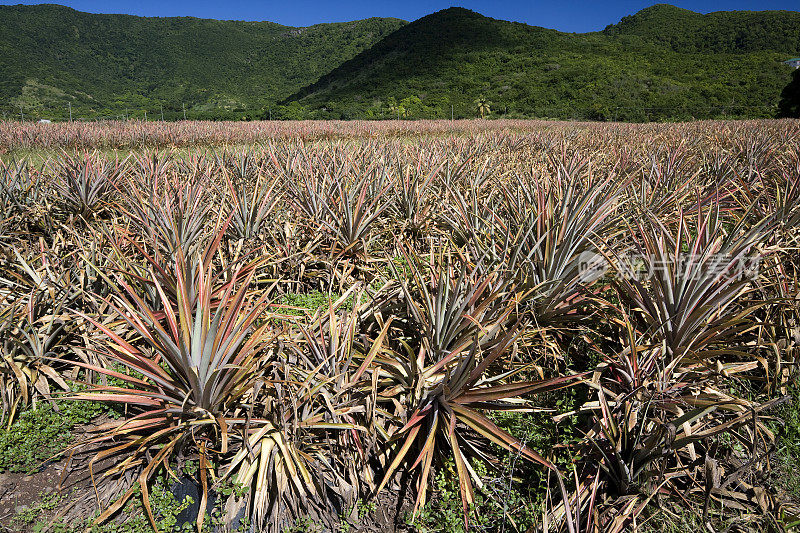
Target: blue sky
<point x="564" y="15"/>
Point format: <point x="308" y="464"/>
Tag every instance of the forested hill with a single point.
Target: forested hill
<point x="720" y="32"/>
<point x="104" y="64"/>
<point x="661" y="63"/>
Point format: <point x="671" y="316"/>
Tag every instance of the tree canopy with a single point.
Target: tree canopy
<point x="662" y="63"/>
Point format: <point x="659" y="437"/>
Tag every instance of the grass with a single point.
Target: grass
<point x="503" y="504"/>
<point x="166" y="509"/>
<point x="28" y="517"/>
<point x="787" y="480"/>
<point x="788" y="445"/>
<point x="308" y="303"/>
<point x="514" y="491"/>
<point x="683" y="521"/>
<point x="42" y="432"/>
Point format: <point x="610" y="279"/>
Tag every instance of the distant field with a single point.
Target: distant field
<point x="21" y="138"/>
<point x="134" y="134"/>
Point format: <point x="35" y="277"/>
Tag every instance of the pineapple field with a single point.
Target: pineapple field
<point x="509" y="326"/>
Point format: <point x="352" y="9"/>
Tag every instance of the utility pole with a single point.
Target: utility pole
<point x="162" y="113"/>
<point x="126" y="113"/>
<point x="184" y="110"/>
<point x="145" y="114"/>
<point x="270" y="113"/>
<point x="70" y="111"/>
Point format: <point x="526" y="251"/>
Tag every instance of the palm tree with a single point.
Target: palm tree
<point x="482" y="106"/>
<point x="394" y="108"/>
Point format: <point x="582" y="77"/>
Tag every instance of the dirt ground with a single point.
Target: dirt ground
<point x="69" y="477"/>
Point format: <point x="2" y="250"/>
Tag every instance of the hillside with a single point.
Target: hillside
<point x="663" y="62"/>
<point x="104" y="64"/>
<point x="719" y="32"/>
<point x="660" y="63"/>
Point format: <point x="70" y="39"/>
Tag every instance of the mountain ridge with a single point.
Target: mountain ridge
<point x="717" y="31"/>
<point x="621" y="72"/>
<point x="52" y="56"/>
<point x="182" y="17"/>
<point x="662" y="62"/>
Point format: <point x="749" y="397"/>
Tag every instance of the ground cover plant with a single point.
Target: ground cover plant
<point x="402" y="326"/>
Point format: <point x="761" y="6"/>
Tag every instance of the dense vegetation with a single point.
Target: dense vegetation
<point x="722" y="32"/>
<point x="114" y="65"/>
<point x="662" y="63"/>
<point x="789" y="106"/>
<point x="560" y="327"/>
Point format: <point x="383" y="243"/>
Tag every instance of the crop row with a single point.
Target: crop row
<point x="651" y="272"/>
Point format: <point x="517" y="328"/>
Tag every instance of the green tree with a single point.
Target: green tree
<point x="412" y="106"/>
<point x="293" y="111"/>
<point x="789" y="105"/>
<point x="394" y="109"/>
